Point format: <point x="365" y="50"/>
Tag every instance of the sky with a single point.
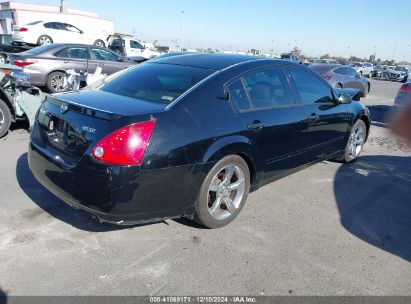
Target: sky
<point x="317" y="27"/>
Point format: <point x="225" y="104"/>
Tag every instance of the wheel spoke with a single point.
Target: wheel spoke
<point x="236" y="184"/>
<point x="216" y="205"/>
<point x="229" y="174"/>
<point x="214" y="187"/>
<point x="230" y="205"/>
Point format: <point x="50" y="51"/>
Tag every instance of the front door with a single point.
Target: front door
<point x="326" y="121"/>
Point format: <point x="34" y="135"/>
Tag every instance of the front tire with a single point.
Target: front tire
<point x="5" y="118"/>
<point x="355" y="141"/>
<point x="3" y="58"/>
<point x="223" y="192"/>
<point x="44" y="39"/>
<point x="55" y="82"/>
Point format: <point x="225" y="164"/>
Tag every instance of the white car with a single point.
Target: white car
<point x="45" y="32"/>
<point x="363" y="68"/>
<point x="130" y="47"/>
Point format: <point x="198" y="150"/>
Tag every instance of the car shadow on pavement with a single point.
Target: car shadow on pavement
<point x="3" y="297"/>
<point x="57" y="208"/>
<point x="374" y="200"/>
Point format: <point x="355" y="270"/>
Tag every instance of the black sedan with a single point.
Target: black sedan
<point x="190" y="136"/>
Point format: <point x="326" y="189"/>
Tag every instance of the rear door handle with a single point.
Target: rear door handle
<point x="256" y="125"/>
<point x="313" y="117"/>
<point x="65" y="61"/>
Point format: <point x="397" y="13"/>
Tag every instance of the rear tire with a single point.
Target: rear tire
<point x="44" y="39"/>
<point x="3" y="58"/>
<point x="5" y="118"/>
<point x="55" y="82"/>
<point x="355" y="142"/>
<point x="223" y="192"/>
<point x="99" y="43"/>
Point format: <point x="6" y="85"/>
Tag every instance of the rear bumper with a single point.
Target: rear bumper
<point x="120" y="195"/>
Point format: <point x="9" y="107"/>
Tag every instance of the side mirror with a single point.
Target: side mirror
<point x="344" y="99"/>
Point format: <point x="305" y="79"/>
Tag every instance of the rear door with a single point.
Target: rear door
<point x="274" y="122"/>
<point x="77" y="58"/>
<point x="326" y="121"/>
<point x="109" y="61"/>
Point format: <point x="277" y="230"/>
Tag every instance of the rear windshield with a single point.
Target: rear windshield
<point x="162" y="83"/>
<point x="34" y="22"/>
<point x="39" y="49"/>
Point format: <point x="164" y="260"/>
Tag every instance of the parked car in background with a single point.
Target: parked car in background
<point x="129" y="46"/>
<point x="403" y="97"/>
<point x="46" y="32"/>
<point x="47" y="64"/>
<point x="327" y="61"/>
<point x="205" y="128"/>
<point x="340" y="76"/>
<point x="7" y="46"/>
<point x="363" y="68"/>
<point x="398" y="73"/>
<point x="290" y="57"/>
<point x="378" y="70"/>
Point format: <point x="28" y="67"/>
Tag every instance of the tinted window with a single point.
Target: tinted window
<point x="340" y="71"/>
<point x="310" y="88"/>
<point x="238" y="96"/>
<point x="105" y="55"/>
<point x="49" y="25"/>
<point x="162" y="83"/>
<point x="135" y="45"/>
<point x="74" y="52"/>
<point x="267" y="88"/>
<point x="70" y="28"/>
<point x="350" y="71"/>
<point x="34" y="23"/>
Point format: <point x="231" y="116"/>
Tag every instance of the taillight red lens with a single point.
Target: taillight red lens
<point x="327" y="77"/>
<point x="405" y="88"/>
<point x="23" y="29"/>
<point x="24" y="63"/>
<point x="125" y="146"/>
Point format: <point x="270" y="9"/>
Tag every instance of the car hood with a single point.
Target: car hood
<point x="109" y="102"/>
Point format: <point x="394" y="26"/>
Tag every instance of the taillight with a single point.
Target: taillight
<point x="23" y="29"/>
<point x="327" y="77"/>
<point x="405" y="88"/>
<point x="23" y="63"/>
<point x="125" y="146"/>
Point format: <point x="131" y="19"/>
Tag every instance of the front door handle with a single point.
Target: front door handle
<point x="313" y="117"/>
<point x="256" y="125"/>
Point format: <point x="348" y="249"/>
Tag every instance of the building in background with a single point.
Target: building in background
<point x="18" y="14"/>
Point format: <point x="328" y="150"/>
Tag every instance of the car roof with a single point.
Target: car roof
<point x="212" y="61"/>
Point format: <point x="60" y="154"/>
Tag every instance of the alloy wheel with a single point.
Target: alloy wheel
<point x="44" y="40"/>
<point x="357" y="139"/>
<point x="1" y="118"/>
<point x="226" y="192"/>
<point x="58" y="83"/>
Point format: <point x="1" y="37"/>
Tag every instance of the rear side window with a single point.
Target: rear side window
<point x="239" y="96"/>
<point x="74" y="52"/>
<point x="310" y="89"/>
<point x="162" y="83"/>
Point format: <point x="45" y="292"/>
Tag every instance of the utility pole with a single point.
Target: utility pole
<point x="183" y="30"/>
<point x="64" y="6"/>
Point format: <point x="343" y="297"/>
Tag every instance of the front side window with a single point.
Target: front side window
<point x="311" y="89"/>
<point x="135" y="45"/>
<point x="104" y="55"/>
<point x="160" y="83"/>
<point x="74" y="52"/>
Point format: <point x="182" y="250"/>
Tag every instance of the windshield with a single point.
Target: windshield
<point x="162" y="83"/>
<point x="356" y="64"/>
<point x="285" y="56"/>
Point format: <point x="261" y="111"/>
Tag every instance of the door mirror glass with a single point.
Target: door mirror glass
<point x="344" y="99"/>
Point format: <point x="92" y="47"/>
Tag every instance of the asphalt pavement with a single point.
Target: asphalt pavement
<point x="331" y="229"/>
